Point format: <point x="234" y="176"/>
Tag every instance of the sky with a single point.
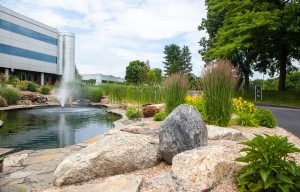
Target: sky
<point x="110" y="34"/>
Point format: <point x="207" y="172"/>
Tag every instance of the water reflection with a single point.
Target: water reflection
<point x="52" y="127"/>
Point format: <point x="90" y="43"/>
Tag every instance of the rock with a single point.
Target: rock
<point x="217" y="133"/>
<point x="14" y="159"/>
<point x="82" y="102"/>
<point x="24" y="102"/>
<point x="144" y="127"/>
<point x="116" y="152"/>
<point x="41" y="99"/>
<point x="182" y="130"/>
<point x="1" y="123"/>
<point x="160" y="107"/>
<point x="104" y="101"/>
<point x="118" y="183"/>
<point x="3" y="102"/>
<point x="149" y="111"/>
<point x="31" y="97"/>
<point x="203" y="168"/>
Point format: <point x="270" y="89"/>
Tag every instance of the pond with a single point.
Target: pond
<point x="45" y="128"/>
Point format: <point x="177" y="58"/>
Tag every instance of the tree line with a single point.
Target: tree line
<point x="255" y="35"/>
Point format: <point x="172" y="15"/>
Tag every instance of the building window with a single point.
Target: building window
<point x="35" y="77"/>
<point x="6" y="25"/>
<point x="28" y="77"/>
<point x="10" y="50"/>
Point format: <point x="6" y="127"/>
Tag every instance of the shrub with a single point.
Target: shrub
<point x="45" y="89"/>
<point x="218" y="89"/>
<point x="132" y="113"/>
<point x="245" y="111"/>
<point x="160" y="116"/>
<point x="23" y="85"/>
<point x="175" y="90"/>
<point x="2" y="79"/>
<point x="14" y="80"/>
<point x="32" y="86"/>
<point x="93" y="93"/>
<point x="246" y="119"/>
<point x="195" y="101"/>
<point x="10" y="94"/>
<point x="267" y="166"/>
<point x="265" y="118"/>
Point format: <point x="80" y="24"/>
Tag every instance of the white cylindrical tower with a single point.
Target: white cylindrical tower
<point x="68" y="55"/>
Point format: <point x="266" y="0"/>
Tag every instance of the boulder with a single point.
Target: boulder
<point x="24" y="102"/>
<point x="149" y="111"/>
<point x="203" y="168"/>
<point x="41" y="99"/>
<point x="82" y="102"/>
<point x="3" y="102"/>
<point x="32" y="97"/>
<point x="217" y="133"/>
<point x="116" y="152"/>
<point x="144" y="127"/>
<point x="182" y="130"/>
<point x="1" y="123"/>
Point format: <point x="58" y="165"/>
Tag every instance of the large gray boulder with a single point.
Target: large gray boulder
<point x="116" y="152"/>
<point x="182" y="130"/>
<point x="204" y="168"/>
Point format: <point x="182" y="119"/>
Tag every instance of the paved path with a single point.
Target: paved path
<point x="287" y="118"/>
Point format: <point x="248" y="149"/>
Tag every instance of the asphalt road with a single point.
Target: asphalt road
<point x="287" y="118"/>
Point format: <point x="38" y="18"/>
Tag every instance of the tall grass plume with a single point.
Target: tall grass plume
<point x="218" y="88"/>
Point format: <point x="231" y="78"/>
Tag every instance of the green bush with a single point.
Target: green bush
<point x="160" y="116"/>
<point x="268" y="167"/>
<point x="132" y="113"/>
<point x="10" y="94"/>
<point x="265" y="118"/>
<point x="46" y="89"/>
<point x="14" y="80"/>
<point x="23" y="85"/>
<point x="218" y="90"/>
<point x="94" y="93"/>
<point x="246" y="119"/>
<point x="175" y="89"/>
<point x="32" y="86"/>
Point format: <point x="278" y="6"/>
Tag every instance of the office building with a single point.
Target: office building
<point x="98" y="79"/>
<point x="34" y="51"/>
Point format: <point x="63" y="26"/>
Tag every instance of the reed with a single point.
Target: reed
<point x="218" y="88"/>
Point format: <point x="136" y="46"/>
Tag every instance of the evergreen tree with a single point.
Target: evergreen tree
<point x="186" y="60"/>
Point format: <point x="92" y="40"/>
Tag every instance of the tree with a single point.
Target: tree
<point x="263" y="32"/>
<point x="186" y="60"/>
<point x="136" y="72"/>
<point x="77" y="75"/>
<point x="154" y="76"/>
<point x="177" y="59"/>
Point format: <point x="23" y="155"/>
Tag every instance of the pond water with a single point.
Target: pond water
<point x="52" y="127"/>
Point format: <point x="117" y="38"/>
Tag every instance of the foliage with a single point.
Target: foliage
<point x="32" y="86"/>
<point x="197" y="102"/>
<point x="293" y="81"/>
<point x="154" y="76"/>
<point x="45" y="89"/>
<point x="177" y="60"/>
<point x="218" y="90"/>
<point x="2" y="79"/>
<point x="10" y="94"/>
<point x="268" y="167"/>
<point x="265" y="118"/>
<point x="78" y="77"/>
<point x="245" y="111"/>
<point x="243" y="106"/>
<point x="132" y="113"/>
<point x="260" y="32"/>
<point x="175" y="89"/>
<point x="160" y="116"/>
<point x="93" y="93"/>
<point x="140" y="95"/>
<point x="136" y="72"/>
<point x="76" y="89"/>
<point x="14" y="80"/>
<point x="23" y="85"/>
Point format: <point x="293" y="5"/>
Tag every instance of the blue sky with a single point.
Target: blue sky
<point x="110" y="34"/>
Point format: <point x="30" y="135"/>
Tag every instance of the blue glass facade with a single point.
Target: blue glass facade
<point x="10" y="50"/>
<point x="6" y="25"/>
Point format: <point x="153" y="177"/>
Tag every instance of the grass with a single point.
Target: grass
<point x="279" y="98"/>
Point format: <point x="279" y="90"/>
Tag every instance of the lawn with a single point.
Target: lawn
<point x="291" y="99"/>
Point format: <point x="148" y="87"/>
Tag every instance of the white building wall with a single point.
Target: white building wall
<point x="100" y="78"/>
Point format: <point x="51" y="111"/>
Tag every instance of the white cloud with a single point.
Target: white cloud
<point x="110" y="34"/>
